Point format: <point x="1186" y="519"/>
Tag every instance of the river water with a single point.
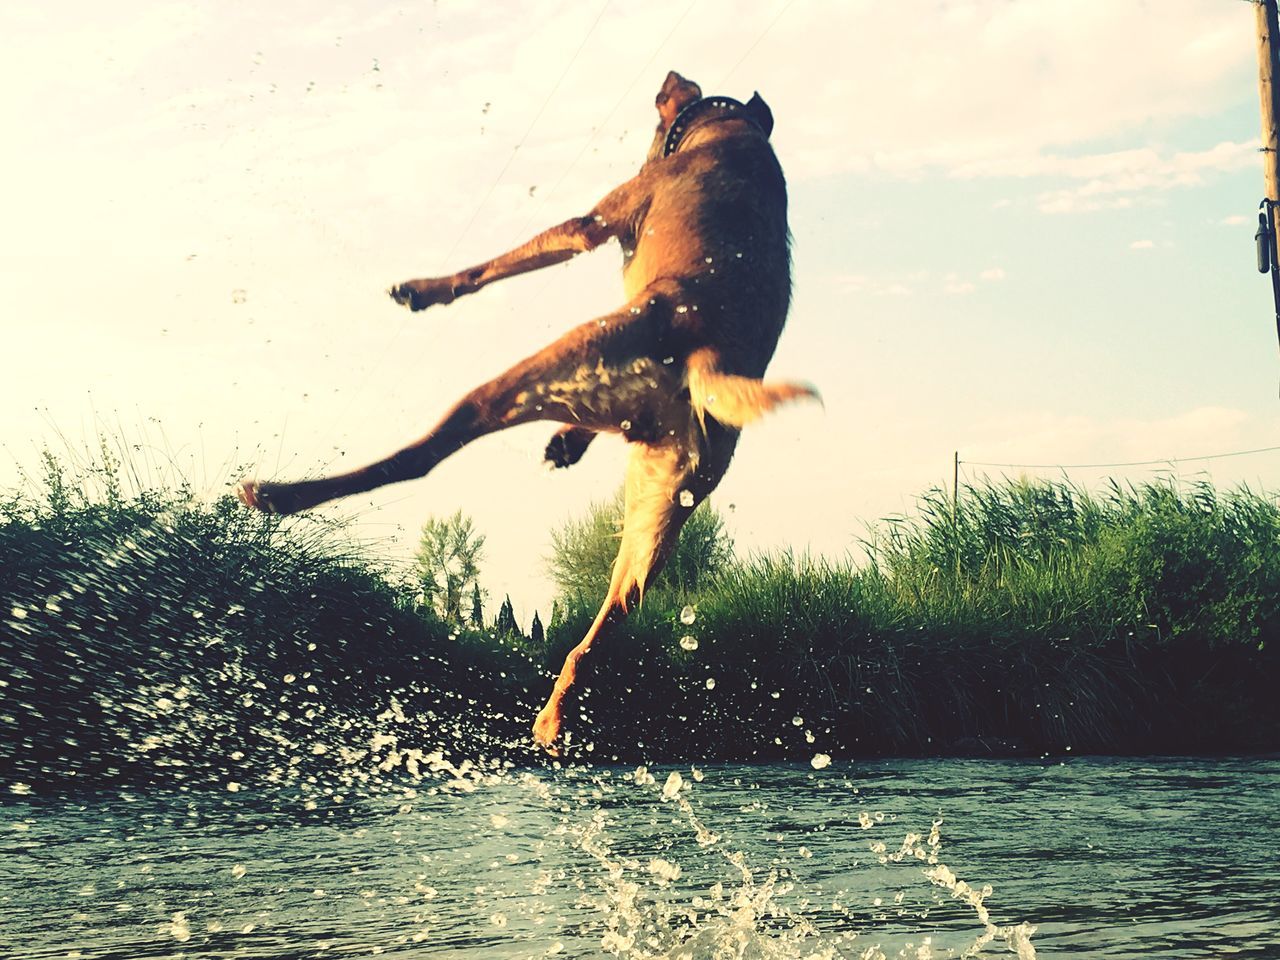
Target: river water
<point x="1116" y="858"/>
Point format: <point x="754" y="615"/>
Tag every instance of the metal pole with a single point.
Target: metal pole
<point x="955" y="516"/>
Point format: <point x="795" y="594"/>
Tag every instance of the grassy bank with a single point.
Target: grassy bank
<point x="153" y="635"/>
<point x="150" y="634"/>
<point x="1037" y="617"/>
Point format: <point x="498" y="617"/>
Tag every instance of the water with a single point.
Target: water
<point x="1170" y="858"/>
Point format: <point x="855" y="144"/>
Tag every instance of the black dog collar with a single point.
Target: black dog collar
<point x="701" y="111"/>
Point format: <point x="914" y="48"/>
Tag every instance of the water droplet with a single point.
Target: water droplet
<point x="797" y="721"/>
<point x="820" y="761"/>
<point x="689" y="643"/>
<point x="233" y="787"/>
<point x="687" y="616"/>
<point x="682" y="309"/>
<point x="686" y="498"/>
<point x="711" y="683"/>
<point x="625" y="425"/>
<point x="18" y="613"/>
<point x="239" y="296"/>
<point x="238" y="871"/>
<point x="671" y="789"/>
<point x="289" y="678"/>
<point x="707" y="259"/>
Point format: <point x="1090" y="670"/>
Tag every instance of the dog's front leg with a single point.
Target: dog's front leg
<point x="550" y="247"/>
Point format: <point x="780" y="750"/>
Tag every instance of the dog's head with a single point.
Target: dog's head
<point x="677" y="93"/>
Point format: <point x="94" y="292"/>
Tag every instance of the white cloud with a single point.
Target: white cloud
<point x="1141" y="245"/>
<point x="1002" y="80"/>
<point x="1124" y="179"/>
<point x="992" y="274"/>
<point x="1235" y="220"/>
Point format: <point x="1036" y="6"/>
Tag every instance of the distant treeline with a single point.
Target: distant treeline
<point x="151" y="635"/>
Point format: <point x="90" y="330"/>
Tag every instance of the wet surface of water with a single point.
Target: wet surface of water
<point x="1171" y="858"/>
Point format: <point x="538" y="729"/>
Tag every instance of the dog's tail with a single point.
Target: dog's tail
<point x="737" y="401"/>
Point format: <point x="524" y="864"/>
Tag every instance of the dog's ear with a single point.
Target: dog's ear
<point x="676" y="94"/>
<point x="760" y="113"/>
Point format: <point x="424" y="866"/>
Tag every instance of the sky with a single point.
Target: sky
<point x="1023" y="232"/>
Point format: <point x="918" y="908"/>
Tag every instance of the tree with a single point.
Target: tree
<point x="582" y="550"/>
<point x="448" y="561"/>
<point x="506" y="622"/>
<point x="536" y="634"/>
<point x="477" y="611"/>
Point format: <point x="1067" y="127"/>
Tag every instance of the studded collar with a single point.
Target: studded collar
<point x="705" y="110"/>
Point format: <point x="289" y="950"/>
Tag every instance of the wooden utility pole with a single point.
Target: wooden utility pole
<point x="1268" y="69"/>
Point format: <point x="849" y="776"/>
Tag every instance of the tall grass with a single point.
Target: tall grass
<point x="150" y="633"/>
<point x="1032" y="617"/>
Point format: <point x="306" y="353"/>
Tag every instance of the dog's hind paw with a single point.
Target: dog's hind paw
<point x="546" y="730"/>
<point x="568" y="445"/>
<point x="420" y="294"/>
<point x="279" y="498"/>
<point x="249" y="492"/>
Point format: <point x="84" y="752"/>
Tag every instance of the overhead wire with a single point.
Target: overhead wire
<point x="595" y="132"/>
<point x="360" y="386"/>
<point x="1127" y="463"/>
<point x="520" y="143"/>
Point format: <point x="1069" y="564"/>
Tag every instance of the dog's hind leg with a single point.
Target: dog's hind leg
<point x="567" y="445"/>
<point x="664" y="486"/>
<point x="600" y="376"/>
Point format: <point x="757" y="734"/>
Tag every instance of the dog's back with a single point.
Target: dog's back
<point x="716" y="223"/>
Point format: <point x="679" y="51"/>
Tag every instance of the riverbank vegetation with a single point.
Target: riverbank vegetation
<point x="149" y="633"/>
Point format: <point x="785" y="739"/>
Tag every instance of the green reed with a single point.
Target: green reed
<point x="146" y="632"/>
<point x="1034" y="616"/>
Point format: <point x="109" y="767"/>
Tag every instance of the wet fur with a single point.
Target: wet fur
<point x="676" y="371"/>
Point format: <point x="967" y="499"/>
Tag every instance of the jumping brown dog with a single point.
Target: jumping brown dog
<point x="676" y="371"/>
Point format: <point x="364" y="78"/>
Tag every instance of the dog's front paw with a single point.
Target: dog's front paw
<point x="420" y="294"/>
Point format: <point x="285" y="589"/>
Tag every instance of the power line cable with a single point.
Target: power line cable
<point x="358" y="390"/>
<point x="520" y="143"/>
<point x="1129" y="463"/>
<point x="756" y="43"/>
<point x="609" y="116"/>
